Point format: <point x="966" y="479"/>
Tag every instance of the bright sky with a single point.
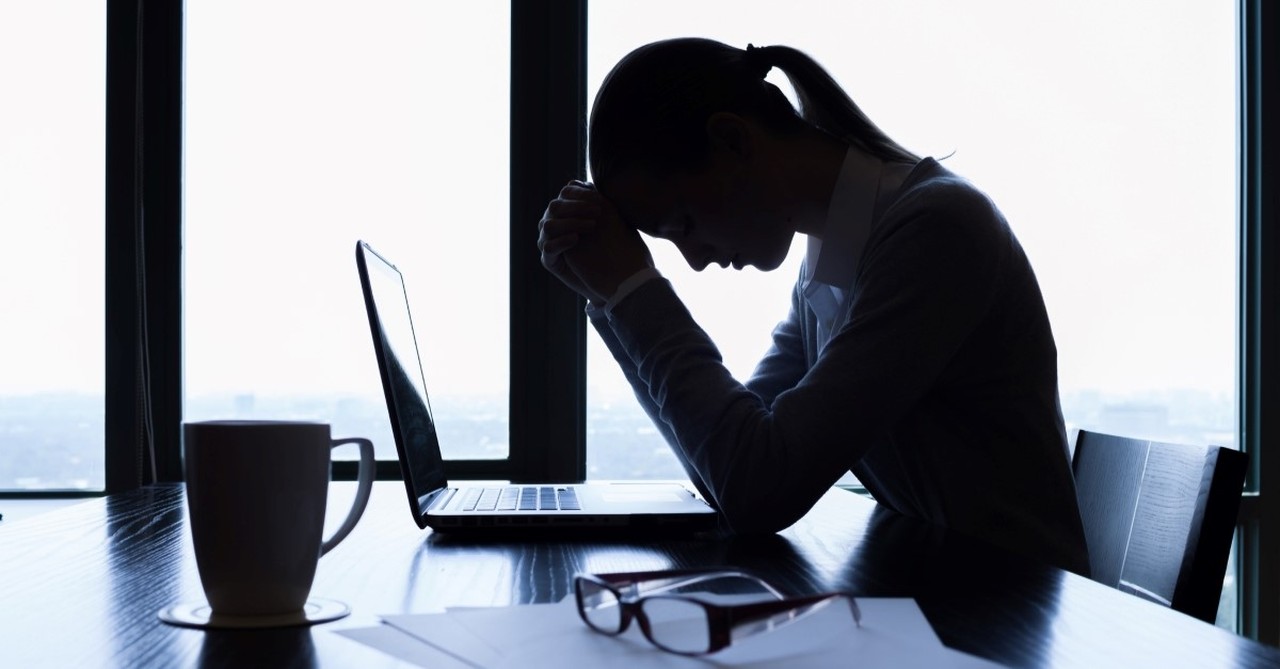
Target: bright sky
<point x="1104" y="130"/>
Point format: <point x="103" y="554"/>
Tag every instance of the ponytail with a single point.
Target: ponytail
<point x="826" y="106"/>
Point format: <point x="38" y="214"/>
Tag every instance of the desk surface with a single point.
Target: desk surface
<point x="80" y="587"/>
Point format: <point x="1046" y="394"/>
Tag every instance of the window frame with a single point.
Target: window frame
<point x="547" y="392"/>
<point x="1258" y="370"/>
<point x="548" y="321"/>
<point x="144" y="246"/>
<point x="143" y="336"/>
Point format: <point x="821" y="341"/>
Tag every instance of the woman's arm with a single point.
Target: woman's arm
<point x="923" y="288"/>
<point x="780" y="369"/>
<point x="783" y="365"/>
<point x="601" y="323"/>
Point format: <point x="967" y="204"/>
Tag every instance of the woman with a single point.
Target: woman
<point x="917" y="352"/>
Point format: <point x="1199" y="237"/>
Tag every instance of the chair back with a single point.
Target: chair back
<point x="1158" y="517"/>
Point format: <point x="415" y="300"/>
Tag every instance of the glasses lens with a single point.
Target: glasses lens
<point x="677" y="624"/>
<point x="599" y="607"/>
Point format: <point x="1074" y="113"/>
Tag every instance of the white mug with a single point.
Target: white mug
<point x="256" y="497"/>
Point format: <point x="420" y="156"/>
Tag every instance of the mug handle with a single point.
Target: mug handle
<point x="365" y="486"/>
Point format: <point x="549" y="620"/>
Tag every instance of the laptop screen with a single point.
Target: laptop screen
<point x="402" y="378"/>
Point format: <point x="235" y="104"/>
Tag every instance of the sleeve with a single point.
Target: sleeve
<point x="629" y="285"/>
<point x="783" y="365"/>
<point x="922" y="290"/>
<point x="601" y="323"/>
<point x="780" y="369"/>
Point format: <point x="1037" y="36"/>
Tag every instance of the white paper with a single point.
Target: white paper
<point x="445" y="632"/>
<point x="404" y="647"/>
<point x="894" y="633"/>
<point x="822" y="640"/>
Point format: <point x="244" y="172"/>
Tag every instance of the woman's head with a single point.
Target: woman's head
<point x="651" y="111"/>
<point x="656" y="119"/>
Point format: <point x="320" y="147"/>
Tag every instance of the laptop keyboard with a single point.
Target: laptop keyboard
<point x="520" y="498"/>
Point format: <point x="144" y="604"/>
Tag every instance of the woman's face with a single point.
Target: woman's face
<point x="720" y="215"/>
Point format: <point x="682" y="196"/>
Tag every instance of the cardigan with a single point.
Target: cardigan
<point x="936" y="386"/>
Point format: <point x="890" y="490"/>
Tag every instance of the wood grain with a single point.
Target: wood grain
<point x="81" y="587"/>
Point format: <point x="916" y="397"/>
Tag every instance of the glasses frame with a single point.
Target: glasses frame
<point x="722" y="619"/>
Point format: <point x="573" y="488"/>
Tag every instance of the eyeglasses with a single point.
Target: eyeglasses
<point x="679" y="623"/>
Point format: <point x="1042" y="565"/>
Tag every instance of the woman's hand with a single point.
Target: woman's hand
<point x="585" y="244"/>
<point x="563" y="223"/>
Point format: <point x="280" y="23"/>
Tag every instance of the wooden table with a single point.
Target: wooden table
<point x="80" y="587"/>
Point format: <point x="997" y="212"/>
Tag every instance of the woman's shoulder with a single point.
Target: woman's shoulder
<point x="932" y="186"/>
<point x="937" y="202"/>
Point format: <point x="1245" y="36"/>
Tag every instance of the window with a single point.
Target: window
<point x="309" y="126"/>
<point x="1091" y="37"/>
<point x="1110" y="149"/>
<point x="1146" y="347"/>
<point x="52" y="146"/>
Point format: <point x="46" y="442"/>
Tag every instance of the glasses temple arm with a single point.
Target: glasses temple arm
<point x="746" y="620"/>
<point x="656" y="582"/>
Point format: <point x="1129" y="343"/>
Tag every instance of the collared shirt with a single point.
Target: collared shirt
<point x="939" y="392"/>
<point x="826" y="276"/>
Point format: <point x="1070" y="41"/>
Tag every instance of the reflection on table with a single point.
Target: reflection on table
<point x="82" y="586"/>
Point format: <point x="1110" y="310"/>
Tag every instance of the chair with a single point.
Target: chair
<point x="1158" y="518"/>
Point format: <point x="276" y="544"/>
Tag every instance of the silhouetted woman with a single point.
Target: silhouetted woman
<point x="917" y="352"/>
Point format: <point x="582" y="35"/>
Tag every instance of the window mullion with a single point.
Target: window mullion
<point x="143" y="242"/>
<point x="1259" y="369"/>
<point x="548" y="327"/>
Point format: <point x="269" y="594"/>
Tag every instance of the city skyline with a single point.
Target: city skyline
<point x="55" y="440"/>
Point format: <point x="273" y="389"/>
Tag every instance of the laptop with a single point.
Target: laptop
<point x="496" y="509"/>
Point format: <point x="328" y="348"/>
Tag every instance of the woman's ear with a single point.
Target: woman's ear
<point x="730" y="136"/>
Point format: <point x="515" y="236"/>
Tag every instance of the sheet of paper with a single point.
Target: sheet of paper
<point x="404" y="647"/>
<point x="827" y="638"/>
<point x="894" y="632"/>
<point x="444" y="631"/>
<point x="896" y="617"/>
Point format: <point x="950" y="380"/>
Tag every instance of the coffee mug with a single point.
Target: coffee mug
<point x="256" y="498"/>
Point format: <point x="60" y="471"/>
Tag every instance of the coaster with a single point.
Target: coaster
<point x="201" y="616"/>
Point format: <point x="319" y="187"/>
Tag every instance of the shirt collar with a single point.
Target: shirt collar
<point x="833" y="258"/>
